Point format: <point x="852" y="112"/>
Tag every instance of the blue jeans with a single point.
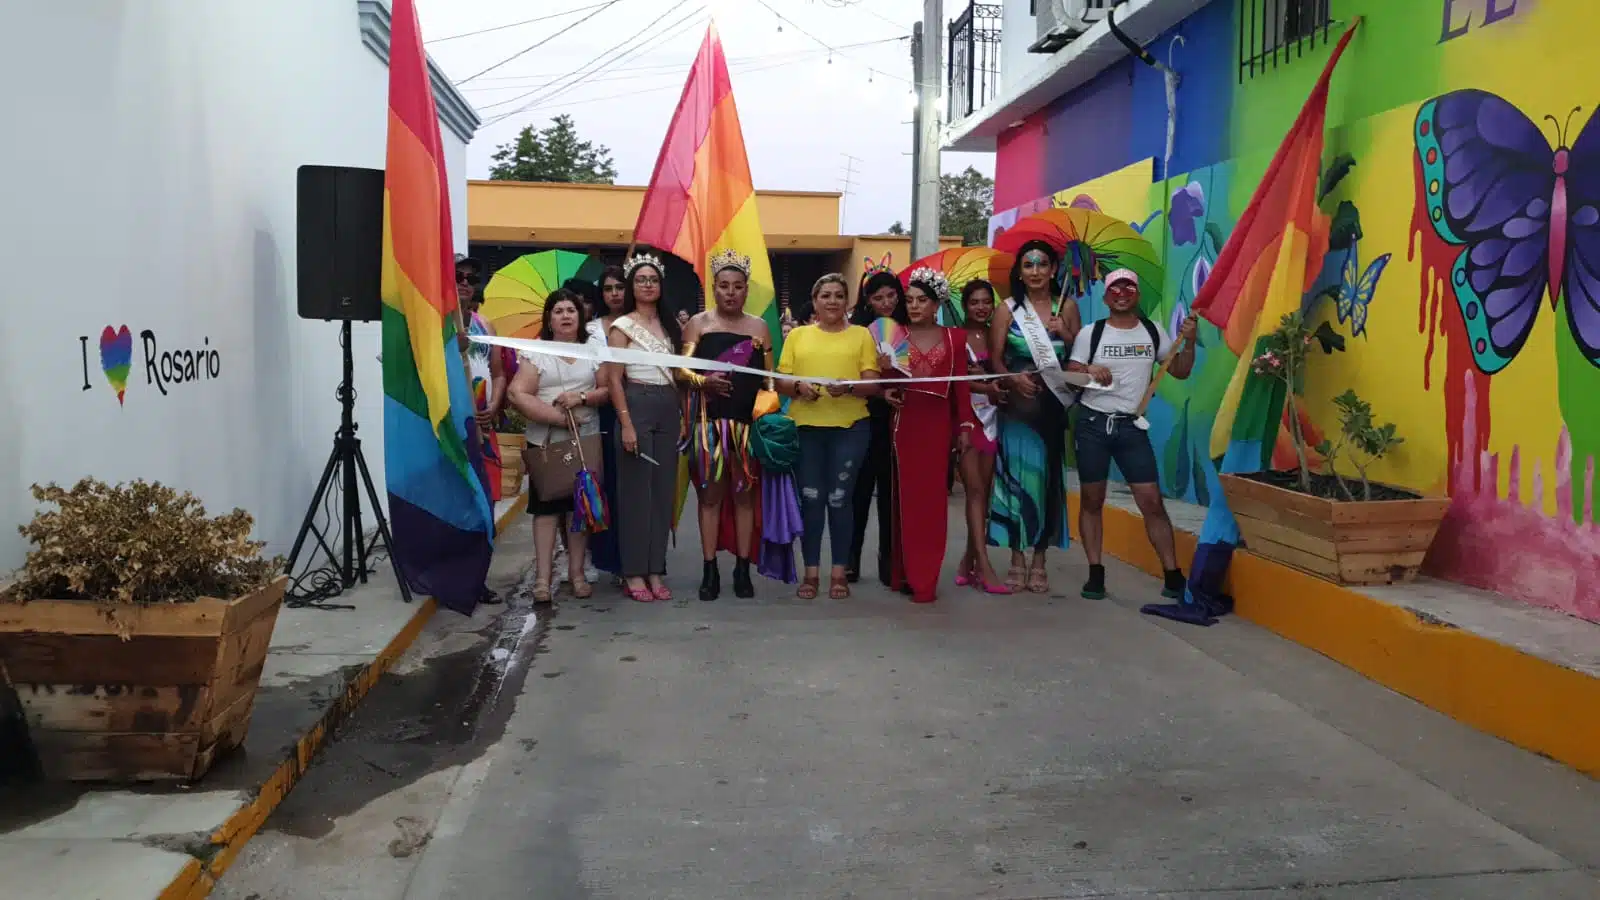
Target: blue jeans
<point x="830" y="459"/>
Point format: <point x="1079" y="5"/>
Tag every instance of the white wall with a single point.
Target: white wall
<point x="1018" y="31"/>
<point x="148" y="179"/>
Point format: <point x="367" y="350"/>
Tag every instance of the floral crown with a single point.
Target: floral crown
<point x="642" y="259"/>
<point x="932" y="281"/>
<point x="730" y="258"/>
<point x="870" y="268"/>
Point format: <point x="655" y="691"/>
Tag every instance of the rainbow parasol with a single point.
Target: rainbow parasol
<point x="513" y="300"/>
<point x="961" y="265"/>
<point x="894" y="341"/>
<point x="1091" y="244"/>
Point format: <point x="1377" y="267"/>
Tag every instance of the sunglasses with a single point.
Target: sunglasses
<point x="467" y="278"/>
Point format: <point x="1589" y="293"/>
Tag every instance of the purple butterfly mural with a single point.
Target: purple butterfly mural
<point x="1527" y="215"/>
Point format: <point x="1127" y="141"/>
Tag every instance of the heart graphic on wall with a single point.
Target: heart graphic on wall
<point x="116" y="356"/>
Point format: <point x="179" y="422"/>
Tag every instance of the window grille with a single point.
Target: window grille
<point x="974" y="59"/>
<point x="1274" y="32"/>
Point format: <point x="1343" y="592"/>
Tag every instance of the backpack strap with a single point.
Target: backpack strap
<point x="1155" y="335"/>
<point x="1096" y="332"/>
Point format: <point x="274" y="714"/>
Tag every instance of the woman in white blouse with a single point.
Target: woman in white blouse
<point x="546" y="388"/>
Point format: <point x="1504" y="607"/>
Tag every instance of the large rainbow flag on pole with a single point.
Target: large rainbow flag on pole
<point x="701" y="199"/>
<point x="1269" y="262"/>
<point x="440" y="515"/>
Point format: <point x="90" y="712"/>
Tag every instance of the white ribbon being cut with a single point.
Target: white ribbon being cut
<point x="670" y="361"/>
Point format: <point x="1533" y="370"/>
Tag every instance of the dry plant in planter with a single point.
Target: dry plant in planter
<point x="136" y="543"/>
<point x="136" y="631"/>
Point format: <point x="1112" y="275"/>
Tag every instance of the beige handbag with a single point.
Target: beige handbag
<point x="553" y="468"/>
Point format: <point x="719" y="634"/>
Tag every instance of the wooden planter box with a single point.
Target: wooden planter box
<point x="1377" y="542"/>
<point x="136" y="693"/>
<point x="511" y="470"/>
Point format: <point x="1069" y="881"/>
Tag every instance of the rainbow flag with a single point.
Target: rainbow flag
<point x="440" y="514"/>
<point x="1269" y="262"/>
<point x="701" y="199"/>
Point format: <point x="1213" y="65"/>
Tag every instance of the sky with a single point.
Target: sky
<point x="803" y="116"/>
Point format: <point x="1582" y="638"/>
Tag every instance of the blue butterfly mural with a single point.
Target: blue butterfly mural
<point x="1527" y="215"/>
<point x="1356" y="289"/>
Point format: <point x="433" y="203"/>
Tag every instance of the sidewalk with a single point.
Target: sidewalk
<point x="173" y="841"/>
<point x="1527" y="675"/>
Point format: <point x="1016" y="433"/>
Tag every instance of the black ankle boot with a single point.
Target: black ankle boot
<point x="743" y="587"/>
<point x="710" y="581"/>
<point x="1095" y="587"/>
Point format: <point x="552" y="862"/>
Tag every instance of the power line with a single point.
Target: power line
<point x="530" y="49"/>
<point x="576" y="77"/>
<point x="827" y="46"/>
<point x="558" y="15"/>
<point x="654" y="69"/>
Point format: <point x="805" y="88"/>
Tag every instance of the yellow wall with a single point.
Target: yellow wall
<point x="526" y="212"/>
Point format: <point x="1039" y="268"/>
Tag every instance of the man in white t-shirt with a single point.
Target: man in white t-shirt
<point x="1122" y="352"/>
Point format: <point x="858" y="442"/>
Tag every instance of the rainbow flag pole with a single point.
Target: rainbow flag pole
<point x="441" y="517"/>
<point x="1261" y="275"/>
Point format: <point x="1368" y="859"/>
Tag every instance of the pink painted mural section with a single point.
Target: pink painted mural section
<point x="1510" y="546"/>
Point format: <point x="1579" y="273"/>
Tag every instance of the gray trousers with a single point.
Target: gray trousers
<point x="648" y="493"/>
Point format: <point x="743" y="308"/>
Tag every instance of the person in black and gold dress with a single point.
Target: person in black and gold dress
<point x="720" y="407"/>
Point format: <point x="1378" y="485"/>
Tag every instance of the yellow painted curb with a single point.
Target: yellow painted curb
<point x="1495" y="688"/>
<point x="198" y="878"/>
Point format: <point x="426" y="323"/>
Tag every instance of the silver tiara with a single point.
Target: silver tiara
<point x="931" y="280"/>
<point x="730" y="258"/>
<point x="642" y="259"/>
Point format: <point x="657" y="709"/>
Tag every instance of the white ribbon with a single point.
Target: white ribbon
<point x="671" y="361"/>
<point x="1060" y="383"/>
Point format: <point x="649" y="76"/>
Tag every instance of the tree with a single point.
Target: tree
<point x="966" y="201"/>
<point x="897" y="228"/>
<point x="553" y="153"/>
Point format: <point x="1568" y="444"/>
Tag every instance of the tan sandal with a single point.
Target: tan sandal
<point x="541" y="592"/>
<point x="808" y="589"/>
<point x="1016" y="577"/>
<point x="581" y="589"/>
<point x="1038" y="581"/>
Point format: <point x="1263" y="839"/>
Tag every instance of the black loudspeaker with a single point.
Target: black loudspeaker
<point x="340" y="245"/>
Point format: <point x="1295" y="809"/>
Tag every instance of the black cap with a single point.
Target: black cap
<point x="464" y="260"/>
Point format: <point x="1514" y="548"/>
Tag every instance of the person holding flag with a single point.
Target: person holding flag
<point x="1120" y="353"/>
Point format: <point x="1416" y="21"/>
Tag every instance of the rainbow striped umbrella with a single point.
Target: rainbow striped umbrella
<point x="961" y="265"/>
<point x="513" y="300"/>
<point x="1091" y="245"/>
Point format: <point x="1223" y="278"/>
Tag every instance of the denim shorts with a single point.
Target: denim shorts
<point x="1102" y="439"/>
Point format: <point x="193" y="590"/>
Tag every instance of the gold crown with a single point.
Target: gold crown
<point x="642" y="259"/>
<point x="729" y="258"/>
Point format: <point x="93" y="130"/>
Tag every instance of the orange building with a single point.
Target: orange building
<point x="506" y="219"/>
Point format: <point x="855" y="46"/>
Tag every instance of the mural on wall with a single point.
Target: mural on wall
<point x="1463" y="269"/>
<point x="163" y="369"/>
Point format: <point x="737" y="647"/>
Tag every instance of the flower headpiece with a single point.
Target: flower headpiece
<point x="870" y="268"/>
<point x="642" y="259"/>
<point x="932" y="281"/>
<point x="730" y="258"/>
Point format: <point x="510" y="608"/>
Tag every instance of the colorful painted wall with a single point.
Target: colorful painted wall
<point x="1470" y="296"/>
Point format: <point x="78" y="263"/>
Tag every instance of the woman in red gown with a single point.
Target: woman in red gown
<point x="932" y="419"/>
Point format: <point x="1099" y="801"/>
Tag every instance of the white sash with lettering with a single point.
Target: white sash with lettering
<point x="1044" y="354"/>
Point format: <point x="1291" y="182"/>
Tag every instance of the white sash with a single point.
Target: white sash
<point x="1044" y="354"/>
<point x="982" y="407"/>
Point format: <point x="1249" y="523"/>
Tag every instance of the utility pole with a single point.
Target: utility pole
<point x="916" y="133"/>
<point x="929" y="41"/>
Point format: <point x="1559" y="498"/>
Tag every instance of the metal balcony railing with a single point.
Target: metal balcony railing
<point x="974" y="60"/>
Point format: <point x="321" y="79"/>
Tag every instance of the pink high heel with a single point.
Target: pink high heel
<point x="639" y="595"/>
<point x="997" y="589"/>
<point x="663" y="593"/>
<point x="966" y="577"/>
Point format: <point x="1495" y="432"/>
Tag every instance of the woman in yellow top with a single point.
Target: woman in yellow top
<point x="832" y="426"/>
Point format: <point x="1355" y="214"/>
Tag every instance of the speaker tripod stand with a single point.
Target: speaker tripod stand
<point x="349" y="464"/>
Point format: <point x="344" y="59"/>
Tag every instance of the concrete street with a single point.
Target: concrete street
<point x="1019" y="747"/>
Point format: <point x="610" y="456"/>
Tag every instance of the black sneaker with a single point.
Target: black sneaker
<point x="710" y="581"/>
<point x="1175" y="584"/>
<point x="743" y="587"/>
<point x="1095" y="587"/>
